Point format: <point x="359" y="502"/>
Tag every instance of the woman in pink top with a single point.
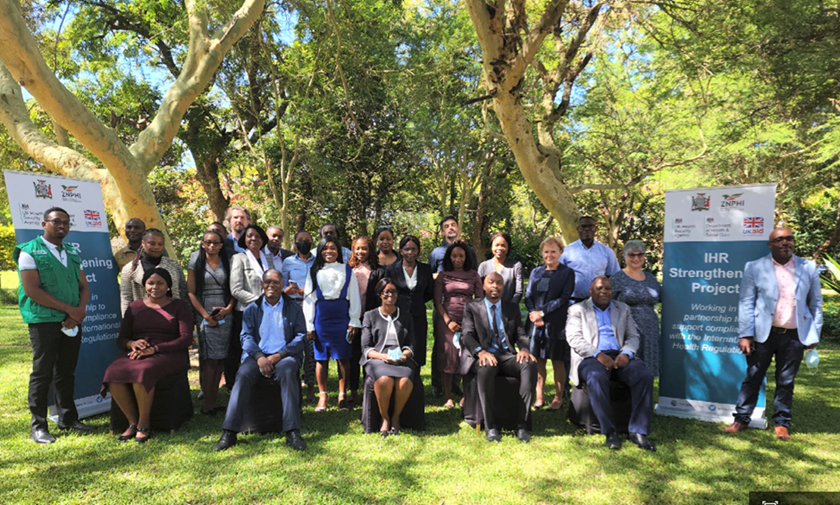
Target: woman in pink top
<point x="364" y="262"/>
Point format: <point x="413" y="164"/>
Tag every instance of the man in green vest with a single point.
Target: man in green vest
<point x="53" y="294"/>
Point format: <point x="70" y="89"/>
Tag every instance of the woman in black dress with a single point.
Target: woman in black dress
<point x="547" y="298"/>
<point x="415" y="284"/>
<point x="387" y="355"/>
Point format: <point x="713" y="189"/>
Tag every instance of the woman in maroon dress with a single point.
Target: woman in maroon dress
<point x="456" y="285"/>
<point x="156" y="333"/>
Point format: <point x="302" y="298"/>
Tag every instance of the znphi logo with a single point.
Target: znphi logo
<point x="730" y="201"/>
<point x="71" y="193"/>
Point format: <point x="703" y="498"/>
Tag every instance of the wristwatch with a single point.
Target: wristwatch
<point x="542" y="314"/>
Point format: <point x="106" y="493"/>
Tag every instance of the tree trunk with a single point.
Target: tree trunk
<point x="544" y="181"/>
<point x="207" y="173"/>
<point x="126" y="191"/>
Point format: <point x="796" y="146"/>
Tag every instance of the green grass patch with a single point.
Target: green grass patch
<point x="450" y="463"/>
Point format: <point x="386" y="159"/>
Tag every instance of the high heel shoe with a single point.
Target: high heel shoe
<point x="123" y="438"/>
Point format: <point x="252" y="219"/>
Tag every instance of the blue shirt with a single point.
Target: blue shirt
<point x="436" y="258"/>
<point x="272" y="335"/>
<point x="235" y="242"/>
<point x="502" y="336"/>
<point x="295" y="270"/>
<point x="345" y="254"/>
<point x="588" y="263"/>
<point x="606" y="337"/>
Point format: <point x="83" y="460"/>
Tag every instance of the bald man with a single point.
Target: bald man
<point x="491" y="332"/>
<point x="780" y="315"/>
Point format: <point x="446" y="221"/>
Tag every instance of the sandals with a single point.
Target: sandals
<point x="555" y="405"/>
<point x="147" y="432"/>
<point x="323" y="408"/>
<point x="342" y="403"/>
<point x="124" y="438"/>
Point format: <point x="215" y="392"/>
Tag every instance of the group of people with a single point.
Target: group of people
<point x="264" y="311"/>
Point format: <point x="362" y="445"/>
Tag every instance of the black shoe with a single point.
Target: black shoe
<point x="125" y="438"/>
<point x="493" y="435"/>
<point x="145" y="431"/>
<point x="395" y="432"/>
<point x="642" y="441"/>
<point x="41" y="436"/>
<point x="613" y="442"/>
<point x="76" y="426"/>
<point x="227" y="440"/>
<point x="437" y="391"/>
<point x="342" y="405"/>
<point x="295" y="441"/>
<point x="523" y="436"/>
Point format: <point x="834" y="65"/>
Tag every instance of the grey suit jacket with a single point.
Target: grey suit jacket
<point x="582" y="332"/>
<point x="760" y="293"/>
<point x="245" y="282"/>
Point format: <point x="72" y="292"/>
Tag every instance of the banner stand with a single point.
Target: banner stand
<point x="710" y="235"/>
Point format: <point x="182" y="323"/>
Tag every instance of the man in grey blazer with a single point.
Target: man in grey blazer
<point x="780" y="314"/>
<point x="604" y="340"/>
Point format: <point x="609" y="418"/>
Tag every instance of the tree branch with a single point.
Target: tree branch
<point x="204" y="56"/>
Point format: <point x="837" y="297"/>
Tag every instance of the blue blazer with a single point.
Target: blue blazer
<point x="760" y="292"/>
<point x="294" y="329"/>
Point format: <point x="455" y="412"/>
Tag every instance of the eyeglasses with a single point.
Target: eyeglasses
<point x="59" y="222"/>
<point x="209" y="243"/>
<point x="779" y="240"/>
<point x="636" y="255"/>
<point x="273" y="283"/>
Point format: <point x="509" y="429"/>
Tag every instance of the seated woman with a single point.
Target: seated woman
<point x="385" y="330"/>
<point x="156" y="333"/>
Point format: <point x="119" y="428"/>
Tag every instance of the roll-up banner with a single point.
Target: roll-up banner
<point x="710" y="235"/>
<point x="30" y="195"/>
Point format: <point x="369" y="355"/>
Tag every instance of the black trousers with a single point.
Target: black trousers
<point x="234" y="355"/>
<point x="507" y="367"/>
<point x="788" y="351"/>
<point x="54" y="357"/>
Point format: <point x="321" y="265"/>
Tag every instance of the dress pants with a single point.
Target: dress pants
<point x="54" y="357"/>
<point x="436" y="380"/>
<point x="285" y="374"/>
<point x="788" y="351"/>
<point x="636" y="376"/>
<point x="309" y="354"/>
<point x="507" y="367"/>
<point x="234" y="356"/>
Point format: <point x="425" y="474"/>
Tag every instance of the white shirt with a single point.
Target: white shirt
<point x="27" y="262"/>
<point x="411" y="280"/>
<point x="331" y="279"/>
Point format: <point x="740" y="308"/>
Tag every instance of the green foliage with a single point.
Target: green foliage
<point x="7" y="247"/>
<point x="831" y="319"/>
<point x="831" y="279"/>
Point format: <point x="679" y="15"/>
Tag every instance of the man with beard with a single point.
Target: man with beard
<point x="236" y="219"/>
<point x="780" y="314"/>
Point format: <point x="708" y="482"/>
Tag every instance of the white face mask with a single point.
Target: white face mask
<point x="70" y="332"/>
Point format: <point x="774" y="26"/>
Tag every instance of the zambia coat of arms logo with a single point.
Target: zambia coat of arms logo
<point x="42" y="189"/>
<point x="700" y="202"/>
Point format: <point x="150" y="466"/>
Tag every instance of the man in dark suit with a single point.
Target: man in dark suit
<point x="491" y="327"/>
<point x="273" y="330"/>
<point x="604" y="341"/>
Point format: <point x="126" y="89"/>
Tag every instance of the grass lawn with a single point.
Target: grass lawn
<point x="448" y="464"/>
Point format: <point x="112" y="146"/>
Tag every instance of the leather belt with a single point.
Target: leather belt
<point x="780" y="330"/>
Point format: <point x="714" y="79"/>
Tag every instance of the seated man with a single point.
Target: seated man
<point x="603" y="339"/>
<point x="490" y="324"/>
<point x="273" y="331"/>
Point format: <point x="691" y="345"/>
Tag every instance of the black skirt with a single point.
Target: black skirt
<point x="377" y="368"/>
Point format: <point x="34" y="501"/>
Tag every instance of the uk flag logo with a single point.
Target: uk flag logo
<point x="93" y="218"/>
<point x="753" y="226"/>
